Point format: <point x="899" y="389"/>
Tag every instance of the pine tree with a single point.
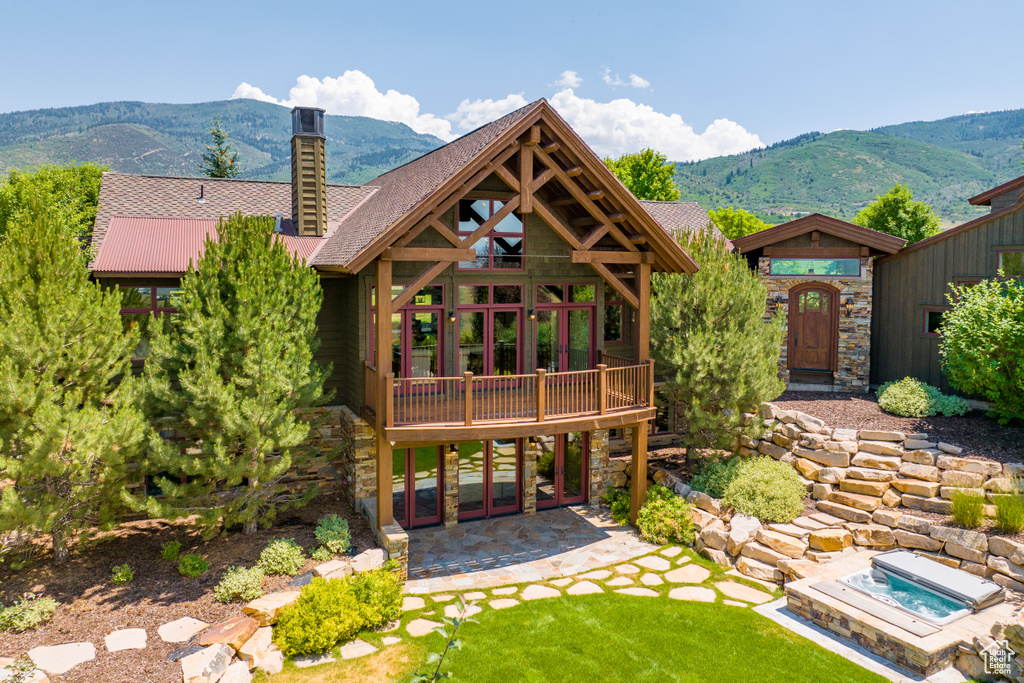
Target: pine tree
<point x="219" y="161"/>
<point x="710" y="339"/>
<point x="229" y="376"/>
<point x="69" y="426"/>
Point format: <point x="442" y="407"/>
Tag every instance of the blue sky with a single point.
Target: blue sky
<point x="694" y="79"/>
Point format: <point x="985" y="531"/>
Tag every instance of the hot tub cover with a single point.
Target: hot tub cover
<point x="977" y="592"/>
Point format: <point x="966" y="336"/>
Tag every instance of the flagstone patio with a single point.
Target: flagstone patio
<point x="493" y="552"/>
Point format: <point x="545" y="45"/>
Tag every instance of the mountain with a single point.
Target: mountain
<point x="944" y="162"/>
<point x="168" y="139"/>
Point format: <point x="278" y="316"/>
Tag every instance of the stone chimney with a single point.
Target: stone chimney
<point x="309" y="172"/>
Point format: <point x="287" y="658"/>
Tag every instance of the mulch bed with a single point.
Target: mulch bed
<point x="979" y="436"/>
<point x="92" y="606"/>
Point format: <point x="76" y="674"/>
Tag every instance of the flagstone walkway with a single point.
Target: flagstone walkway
<point x="505" y="550"/>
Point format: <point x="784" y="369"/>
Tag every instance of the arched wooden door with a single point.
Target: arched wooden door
<point x="813" y="328"/>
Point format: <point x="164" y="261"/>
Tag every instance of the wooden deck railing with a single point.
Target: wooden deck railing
<point x="541" y="396"/>
<point x="613" y="361"/>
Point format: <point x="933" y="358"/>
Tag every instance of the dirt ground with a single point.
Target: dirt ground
<point x="92" y="606"/>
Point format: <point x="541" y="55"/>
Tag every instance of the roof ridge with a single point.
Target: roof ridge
<point x="218" y="180"/>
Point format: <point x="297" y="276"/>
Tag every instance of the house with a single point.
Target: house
<point x="913" y="284"/>
<point x="819" y="275"/>
<point x="486" y="309"/>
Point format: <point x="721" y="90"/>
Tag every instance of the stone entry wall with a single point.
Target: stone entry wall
<point x="853" y="365"/>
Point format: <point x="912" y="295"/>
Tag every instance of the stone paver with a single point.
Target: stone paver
<point x="390" y="640"/>
<point x="475" y="595"/>
<point x="734" y="603"/>
<point x="671" y="552"/>
<point x="627" y="569"/>
<point x="620" y="581"/>
<point x="444" y="597"/>
<point x="453" y="611"/>
<point x="695" y="593"/>
<point x="507" y="590"/>
<point x="642" y="592"/>
<point x="58" y="659"/>
<point x="357" y="648"/>
<point x="562" y="583"/>
<point x="313" y="660"/>
<point x="651" y="580"/>
<point x="741" y="592"/>
<point x="411" y="603"/>
<point x="692" y="573"/>
<point x="658" y="564"/>
<point x="180" y="630"/>
<point x="598" y="575"/>
<point x="538" y="592"/>
<point x="584" y="588"/>
<point x="421" y="627"/>
<point x="683" y="559"/>
<point x="503" y="603"/>
<point x="126" y="639"/>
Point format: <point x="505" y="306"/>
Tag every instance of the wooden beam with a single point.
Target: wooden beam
<point x="493" y="221"/>
<point x="382" y="359"/>
<point x="643" y="316"/>
<point x="562" y="201"/>
<point x="422" y="281"/>
<point x="612" y="257"/>
<point x="595" y="195"/>
<point x="814" y="252"/>
<point x="616" y="217"/>
<point x="526" y="179"/>
<point x="538" y="182"/>
<point x="638" y="485"/>
<point x="573" y="172"/>
<point x="445" y="232"/>
<point x="627" y="294"/>
<point x="427" y="254"/>
<point x="544" y="210"/>
<point x="551" y="148"/>
<point x="533" y="139"/>
<point x="584" y="221"/>
<point x="509" y="179"/>
<point x="594" y="237"/>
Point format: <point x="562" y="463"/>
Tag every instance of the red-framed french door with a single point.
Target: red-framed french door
<point x="417" y="331"/>
<point x="565" y="327"/>
<point x="562" y="467"/>
<point x="490" y="328"/>
<point x="417" y="485"/>
<point x="490" y="477"/>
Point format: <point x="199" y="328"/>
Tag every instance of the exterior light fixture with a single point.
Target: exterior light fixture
<point x="849" y="307"/>
<point x="451" y="316"/>
<point x="533" y="316"/>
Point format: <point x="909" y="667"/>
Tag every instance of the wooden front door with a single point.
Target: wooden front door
<point x="813" y="322"/>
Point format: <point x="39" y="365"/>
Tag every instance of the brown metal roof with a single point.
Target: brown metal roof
<point x="986" y="197"/>
<point x="833" y="226"/>
<point x="135" y="244"/>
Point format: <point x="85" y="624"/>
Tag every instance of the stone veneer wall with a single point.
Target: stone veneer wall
<point x="853" y="364"/>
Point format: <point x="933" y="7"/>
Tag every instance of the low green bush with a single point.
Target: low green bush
<point x="192" y="565"/>
<point x="239" y="584"/>
<point x="665" y="518"/>
<point x="618" y="501"/>
<point x="968" y="509"/>
<point x="911" y="397"/>
<point x="122" y="574"/>
<point x="767" y="489"/>
<point x="715" y="476"/>
<point x="326" y="612"/>
<point x="380" y="596"/>
<point x="332" y="532"/>
<point x="321" y="554"/>
<point x="30" y="612"/>
<point x="170" y="550"/>
<point x="282" y="557"/>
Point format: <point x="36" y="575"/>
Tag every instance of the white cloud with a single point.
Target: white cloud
<point x="638" y="82"/>
<point x="621" y="126"/>
<point x="472" y="115"/>
<point x="354" y="94"/>
<point x="569" y="79"/>
<point x="634" y="80"/>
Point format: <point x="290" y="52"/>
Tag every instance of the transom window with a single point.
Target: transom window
<point x="470" y="295"/>
<point x="1011" y="262"/>
<point x="566" y="294"/>
<point x="832" y="267"/>
<point x="499" y="249"/>
<point x="147" y="306"/>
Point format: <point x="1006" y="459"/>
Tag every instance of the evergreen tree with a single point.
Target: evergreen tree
<point x="646" y="174"/>
<point x="710" y="339"/>
<point x="229" y="376"/>
<point x="69" y="426"/>
<point x="219" y="161"/>
<point x="896" y="213"/>
<point x="70" y="194"/>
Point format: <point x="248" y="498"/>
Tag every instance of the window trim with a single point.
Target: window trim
<point x="1009" y="250"/>
<point x="490" y="238"/>
<point x="371" y="350"/>
<point x="924" y="319"/>
<point x="152" y="310"/>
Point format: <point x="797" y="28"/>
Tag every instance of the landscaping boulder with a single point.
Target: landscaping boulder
<point x="763" y="553"/>
<point x="368" y="560"/>
<point x="333" y="567"/>
<point x="208" y="665"/>
<point x="266" y="609"/>
<point x="919" y="457"/>
<point x="983" y="467"/>
<point x="715" y="537"/>
<point x="961" y="479"/>
<point x="1004" y="547"/>
<point x="881" y="448"/>
<point x="234" y="632"/>
<point x="829" y="540"/>
<point x="809" y="423"/>
<point x="824" y="457"/>
<point x="962" y="537"/>
<point x="756" y="569"/>
<point x="868" y="474"/>
<point x="744" y="528"/>
<point x="937" y="505"/>
<point x="916" y="487"/>
<point x="923" y="472"/>
<point x="256" y="648"/>
<point x="889" y="518"/>
<point x="876" y="461"/>
<point x="782" y="543"/>
<point x="831" y="475"/>
<point x="868" y="488"/>
<point x="916" y="524"/>
<point x="873" y="435"/>
<point x="908" y="539"/>
<point x="237" y="673"/>
<point x="875" y="535"/>
<point x="891" y="498"/>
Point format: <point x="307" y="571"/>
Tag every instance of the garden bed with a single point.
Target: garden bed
<point x="92" y="606"/>
<point x="978" y="435"/>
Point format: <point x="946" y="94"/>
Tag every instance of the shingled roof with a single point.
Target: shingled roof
<point x="679" y="217"/>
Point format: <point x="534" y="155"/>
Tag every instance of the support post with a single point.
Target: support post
<point x="385" y="399"/>
<point x="602" y="389"/>
<point x="542" y="394"/>
<point x="638" y="483"/>
<point x="643" y="316"/>
<point x="650" y="382"/>
<point x="467" y="380"/>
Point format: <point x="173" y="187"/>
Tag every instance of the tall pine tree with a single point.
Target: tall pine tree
<point x="219" y="161"/>
<point x="229" y="376"/>
<point x="69" y="426"/>
<point x="710" y="339"/>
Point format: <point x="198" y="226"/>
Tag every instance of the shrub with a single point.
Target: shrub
<point x="322" y="554"/>
<point x="170" y="550"/>
<point x="380" y="596"/>
<point x="239" y="585"/>
<point x="327" y="611"/>
<point x="192" y="565"/>
<point x="30" y="612"/>
<point x="122" y="574"/>
<point x="1010" y="513"/>
<point x="665" y="518"/>
<point x="968" y="509"/>
<point x="546" y="465"/>
<point x="283" y="556"/>
<point x="911" y="397"/>
<point x="715" y="476"/>
<point x="618" y="501"/>
<point x="981" y="341"/>
<point x="766" y="489"/>
<point x="332" y="532"/>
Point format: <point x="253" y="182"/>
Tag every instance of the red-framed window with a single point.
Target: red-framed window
<point x="614" y="315"/>
<point x="146" y="306"/>
<point x="417" y="330"/>
<point x="1010" y="261"/>
<point x="490" y="328"/>
<point x="500" y="249"/>
<point x="932" y="322"/>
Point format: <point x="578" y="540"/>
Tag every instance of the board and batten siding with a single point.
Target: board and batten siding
<point x="910" y="282"/>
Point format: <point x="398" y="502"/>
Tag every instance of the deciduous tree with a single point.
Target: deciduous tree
<point x="69" y="194"/>
<point x="736" y="223"/>
<point x="69" y="426"/>
<point x="219" y="161"/>
<point x="646" y="174"/>
<point x="896" y="213"/>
